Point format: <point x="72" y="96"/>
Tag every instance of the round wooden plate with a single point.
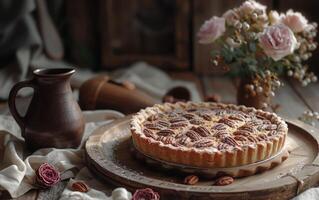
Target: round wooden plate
<point x="108" y="155"/>
<point x="240" y="171"/>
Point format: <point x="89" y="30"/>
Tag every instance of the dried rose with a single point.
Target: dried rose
<point x="47" y="175"/>
<point x="231" y="17"/>
<point x="211" y="30"/>
<point x="251" y="6"/>
<point x="295" y="21"/>
<point x="145" y="194"/>
<point x="278" y="41"/>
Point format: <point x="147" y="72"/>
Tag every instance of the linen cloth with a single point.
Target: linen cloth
<point x="17" y="166"/>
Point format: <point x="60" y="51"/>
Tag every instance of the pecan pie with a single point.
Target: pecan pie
<point x="208" y="134"/>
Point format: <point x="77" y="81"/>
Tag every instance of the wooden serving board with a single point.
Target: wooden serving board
<point x="108" y="155"/>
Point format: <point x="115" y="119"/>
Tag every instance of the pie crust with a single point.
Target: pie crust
<point x="207" y="134"/>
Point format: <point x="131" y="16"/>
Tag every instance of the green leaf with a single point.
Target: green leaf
<point x="252" y="47"/>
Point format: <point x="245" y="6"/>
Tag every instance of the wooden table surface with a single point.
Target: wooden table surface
<point x="292" y="99"/>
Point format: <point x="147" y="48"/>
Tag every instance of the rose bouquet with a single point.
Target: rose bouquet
<point x="258" y="46"/>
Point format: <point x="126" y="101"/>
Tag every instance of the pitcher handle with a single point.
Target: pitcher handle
<point x="12" y="97"/>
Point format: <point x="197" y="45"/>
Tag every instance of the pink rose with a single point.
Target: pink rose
<point x="231" y="17"/>
<point x="295" y="21"/>
<point x="251" y="6"/>
<point x="47" y="175"/>
<point x="211" y="30"/>
<point x="277" y="41"/>
<point x="145" y="194"/>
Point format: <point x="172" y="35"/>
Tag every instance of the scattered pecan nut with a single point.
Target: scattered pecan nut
<point x="191" y="180"/>
<point x="80" y="186"/>
<point x="225" y="180"/>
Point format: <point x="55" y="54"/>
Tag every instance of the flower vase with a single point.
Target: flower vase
<point x="249" y="98"/>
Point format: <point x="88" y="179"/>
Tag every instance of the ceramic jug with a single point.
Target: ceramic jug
<point x="53" y="118"/>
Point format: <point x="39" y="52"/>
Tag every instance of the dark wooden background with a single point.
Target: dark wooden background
<point x="106" y="34"/>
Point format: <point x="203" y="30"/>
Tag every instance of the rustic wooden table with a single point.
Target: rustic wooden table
<point x="292" y="100"/>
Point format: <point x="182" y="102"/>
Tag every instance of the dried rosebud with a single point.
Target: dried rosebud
<point x="47" y="175"/>
<point x="145" y="194"/>
<point x="80" y="186"/>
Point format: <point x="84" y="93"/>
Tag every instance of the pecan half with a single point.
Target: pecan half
<point x="163" y="123"/>
<point x="206" y="117"/>
<point x="80" y="186"/>
<point x="165" y="132"/>
<point x="188" y="116"/>
<point x="228" y="122"/>
<point x="231" y="141"/>
<point x="241" y="132"/>
<point x="225" y="180"/>
<point x="220" y="134"/>
<point x="177" y="119"/>
<point x="237" y="117"/>
<point x="153" y="126"/>
<point x="247" y="128"/>
<point x="203" y="143"/>
<point x="195" y="121"/>
<point x="240" y="138"/>
<point x="178" y="125"/>
<point x="149" y="133"/>
<point x="166" y="140"/>
<point x="191" y="180"/>
<point x="262" y="137"/>
<point x="193" y="135"/>
<point x="219" y="127"/>
<point x="204" y="132"/>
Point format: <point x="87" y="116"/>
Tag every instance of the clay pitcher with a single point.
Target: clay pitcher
<point x="53" y="118"/>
